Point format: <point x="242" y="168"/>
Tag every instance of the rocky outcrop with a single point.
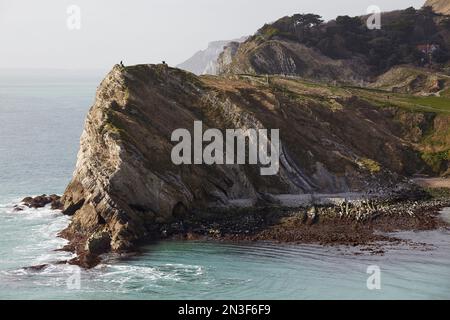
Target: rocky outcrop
<point x="40" y="202"/>
<point x="125" y="185"/>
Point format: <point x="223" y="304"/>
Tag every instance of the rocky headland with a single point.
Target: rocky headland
<point x="341" y="149"/>
<point x="360" y="114"/>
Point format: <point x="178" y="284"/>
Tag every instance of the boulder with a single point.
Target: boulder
<point x="40" y="202"/>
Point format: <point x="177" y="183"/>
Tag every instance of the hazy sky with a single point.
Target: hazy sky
<point x="34" y="34"/>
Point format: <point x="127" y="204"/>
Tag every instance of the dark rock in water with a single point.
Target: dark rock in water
<point x="17" y="208"/>
<point x="85" y="260"/>
<point x="39" y="267"/>
<point x="37" y="202"/>
<point x="56" y="204"/>
<point x="40" y="202"/>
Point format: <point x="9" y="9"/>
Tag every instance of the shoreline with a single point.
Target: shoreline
<point x="351" y="221"/>
<point x="361" y="224"/>
<point x="368" y="224"/>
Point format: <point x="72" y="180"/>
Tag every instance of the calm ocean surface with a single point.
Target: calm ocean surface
<point x="41" y="119"/>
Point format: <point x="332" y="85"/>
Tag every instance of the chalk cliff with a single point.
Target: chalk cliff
<point x="205" y="61"/>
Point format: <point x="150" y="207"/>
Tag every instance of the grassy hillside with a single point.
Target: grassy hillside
<point x="423" y="121"/>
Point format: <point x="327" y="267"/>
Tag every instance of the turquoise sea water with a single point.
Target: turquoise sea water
<point x="41" y="119"/>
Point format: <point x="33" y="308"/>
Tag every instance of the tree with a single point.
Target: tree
<point x="307" y="21"/>
<point x="349" y="24"/>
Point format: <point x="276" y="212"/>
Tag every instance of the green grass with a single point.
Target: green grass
<point x="414" y="103"/>
<point x="378" y="97"/>
<point x="269" y="32"/>
<point x="437" y="104"/>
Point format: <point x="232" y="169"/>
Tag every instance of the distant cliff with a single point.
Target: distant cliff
<point x="205" y="61"/>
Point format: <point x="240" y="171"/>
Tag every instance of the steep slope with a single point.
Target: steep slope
<point x="439" y="6"/>
<point x="125" y="184"/>
<point x="285" y="57"/>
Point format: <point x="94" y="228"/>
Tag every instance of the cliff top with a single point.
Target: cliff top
<point x="439" y="6"/>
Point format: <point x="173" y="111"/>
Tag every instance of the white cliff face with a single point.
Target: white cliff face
<point x="205" y="61"/>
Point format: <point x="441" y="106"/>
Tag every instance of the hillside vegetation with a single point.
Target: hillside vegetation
<point x="345" y="49"/>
